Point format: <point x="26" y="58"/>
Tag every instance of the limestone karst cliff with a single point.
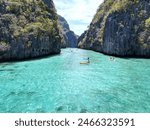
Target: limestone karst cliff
<point x="120" y="28"/>
<point x="28" y="28"/>
<point x="70" y="38"/>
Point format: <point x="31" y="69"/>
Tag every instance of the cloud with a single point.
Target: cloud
<point x="78" y="13"/>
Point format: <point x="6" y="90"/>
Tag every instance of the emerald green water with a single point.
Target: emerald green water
<point x="61" y="84"/>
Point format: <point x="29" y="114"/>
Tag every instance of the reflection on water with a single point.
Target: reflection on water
<point x="61" y="84"/>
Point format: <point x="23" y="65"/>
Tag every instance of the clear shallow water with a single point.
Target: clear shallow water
<point x="60" y="84"/>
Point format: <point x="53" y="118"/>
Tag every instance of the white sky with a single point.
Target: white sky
<point x="78" y="13"/>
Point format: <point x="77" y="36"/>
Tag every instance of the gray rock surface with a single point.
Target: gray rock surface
<point x="70" y="38"/>
<point x="28" y="29"/>
<point x="120" y="28"/>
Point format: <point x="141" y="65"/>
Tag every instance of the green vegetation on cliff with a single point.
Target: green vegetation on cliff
<point x="108" y="7"/>
<point x="120" y="27"/>
<point x="29" y="26"/>
<point x="29" y="16"/>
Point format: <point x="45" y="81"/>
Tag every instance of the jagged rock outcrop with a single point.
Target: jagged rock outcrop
<point x="28" y="28"/>
<point x="120" y="28"/>
<point x="70" y="38"/>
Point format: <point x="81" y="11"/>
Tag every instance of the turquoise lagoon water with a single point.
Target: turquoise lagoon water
<point x="61" y="84"/>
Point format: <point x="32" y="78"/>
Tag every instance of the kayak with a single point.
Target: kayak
<point x="84" y="62"/>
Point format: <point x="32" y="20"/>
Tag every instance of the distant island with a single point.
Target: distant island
<point x="69" y="38"/>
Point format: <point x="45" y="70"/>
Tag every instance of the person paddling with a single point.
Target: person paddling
<point x="88" y="60"/>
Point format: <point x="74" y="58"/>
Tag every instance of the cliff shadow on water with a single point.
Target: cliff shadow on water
<point x="11" y="61"/>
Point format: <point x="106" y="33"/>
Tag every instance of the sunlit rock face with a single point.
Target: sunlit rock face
<point x="70" y="38"/>
<point x="120" y="28"/>
<point x="28" y="28"/>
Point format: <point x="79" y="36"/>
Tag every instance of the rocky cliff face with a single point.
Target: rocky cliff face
<point x="120" y="28"/>
<point x="70" y="38"/>
<point x="28" y="28"/>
